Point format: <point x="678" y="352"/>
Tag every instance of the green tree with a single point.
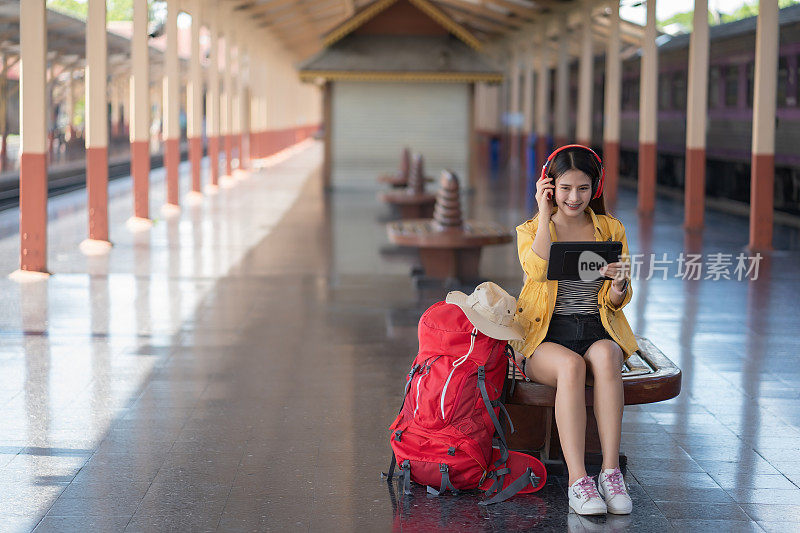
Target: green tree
<point x="746" y="10"/>
<point x="115" y="9"/>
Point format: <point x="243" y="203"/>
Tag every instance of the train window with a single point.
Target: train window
<point x="750" y="69"/>
<point x="714" y="82"/>
<point x="679" y="91"/>
<point x="783" y="81"/>
<point x="732" y="86"/>
<point x="630" y="94"/>
<point x="664" y="88"/>
<point x="599" y="92"/>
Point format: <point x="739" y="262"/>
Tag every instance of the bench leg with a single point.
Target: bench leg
<point x="537" y="434"/>
<point x="445" y="263"/>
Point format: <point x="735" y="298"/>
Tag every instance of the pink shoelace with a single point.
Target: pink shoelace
<point x="587" y="486"/>
<point x="617" y="483"/>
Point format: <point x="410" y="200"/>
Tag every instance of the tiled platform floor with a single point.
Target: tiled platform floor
<point x="229" y="375"/>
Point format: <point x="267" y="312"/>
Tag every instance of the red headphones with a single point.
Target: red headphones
<point x="546" y="166"/>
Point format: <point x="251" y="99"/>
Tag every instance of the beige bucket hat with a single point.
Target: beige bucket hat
<point x="491" y="310"/>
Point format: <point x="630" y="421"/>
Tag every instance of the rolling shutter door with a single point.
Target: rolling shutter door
<point x="373" y="121"/>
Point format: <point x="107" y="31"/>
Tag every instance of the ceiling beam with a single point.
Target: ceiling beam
<point x="476" y="21"/>
<point x="481" y="10"/>
<point x="530" y="12"/>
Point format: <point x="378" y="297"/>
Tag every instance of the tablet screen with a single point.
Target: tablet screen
<point x="581" y="260"/>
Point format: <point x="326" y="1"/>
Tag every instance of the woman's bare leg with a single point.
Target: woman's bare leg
<point x="604" y="359"/>
<point x="554" y="365"/>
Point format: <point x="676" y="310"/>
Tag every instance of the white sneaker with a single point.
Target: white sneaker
<point x="615" y="492"/>
<point x="584" y="498"/>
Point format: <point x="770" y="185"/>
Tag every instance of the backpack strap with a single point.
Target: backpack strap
<point x="490" y="408"/>
<point x="445" y="470"/>
<point x="411" y="373"/>
<point x="405" y="475"/>
<point x="499" y="476"/>
<point x="488" y="403"/>
<point x="392" y="466"/>
<point x="520" y="483"/>
<point x="514" y="367"/>
<point x="502" y="407"/>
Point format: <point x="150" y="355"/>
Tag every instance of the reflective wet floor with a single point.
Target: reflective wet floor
<point x="236" y="369"/>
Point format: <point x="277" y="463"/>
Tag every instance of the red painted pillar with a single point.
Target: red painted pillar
<point x="694" y="193"/>
<point x="562" y="94"/>
<point x="171" y="106"/>
<point x="96" y="126"/>
<point x="212" y="96"/>
<point x="213" y="159"/>
<point x="611" y="110"/>
<point x="762" y="177"/>
<point x="140" y="120"/>
<point x="647" y="115"/>
<point x="227" y="103"/>
<point x="194" y="111"/>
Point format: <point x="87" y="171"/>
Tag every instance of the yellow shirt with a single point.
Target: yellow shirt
<point x="538" y="297"/>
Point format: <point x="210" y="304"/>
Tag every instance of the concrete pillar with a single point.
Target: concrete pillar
<point x="235" y="122"/>
<point x="612" y="104"/>
<point x="527" y="93"/>
<point x="194" y="104"/>
<point x="69" y="103"/>
<point x="212" y="96"/>
<point x="762" y="176"/>
<point x="115" y="90"/>
<point x="244" y="105"/>
<point x="4" y="114"/>
<point x="171" y="111"/>
<point x="226" y="103"/>
<point x="648" y="109"/>
<point x="33" y="139"/>
<point x="583" y="126"/>
<point x="139" y="132"/>
<point x="697" y="93"/>
<point x="527" y="108"/>
<point x="513" y="105"/>
<point x="255" y="68"/>
<point x="543" y="104"/>
<point x="96" y="128"/>
<point x="561" y="118"/>
<point x="514" y="112"/>
<point x="124" y="112"/>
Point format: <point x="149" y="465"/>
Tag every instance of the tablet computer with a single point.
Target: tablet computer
<point x="581" y="260"/>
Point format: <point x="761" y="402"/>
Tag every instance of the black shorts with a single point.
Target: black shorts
<point x="577" y="331"/>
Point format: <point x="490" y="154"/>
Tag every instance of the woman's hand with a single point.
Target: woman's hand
<point x="619" y="272"/>
<point x="544" y="192"/>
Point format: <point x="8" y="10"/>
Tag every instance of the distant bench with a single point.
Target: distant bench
<point x="647" y="377"/>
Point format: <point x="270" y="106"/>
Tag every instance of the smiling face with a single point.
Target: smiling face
<point x="573" y="192"/>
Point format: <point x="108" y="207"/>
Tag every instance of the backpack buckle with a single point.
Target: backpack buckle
<point x="481" y="373"/>
<point x="443" y="468"/>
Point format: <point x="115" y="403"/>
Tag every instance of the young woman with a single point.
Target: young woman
<point x="575" y="326"/>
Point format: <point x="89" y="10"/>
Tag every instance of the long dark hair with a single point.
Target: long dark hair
<point x="577" y="158"/>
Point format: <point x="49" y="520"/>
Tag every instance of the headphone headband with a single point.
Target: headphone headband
<point x="546" y="165"/>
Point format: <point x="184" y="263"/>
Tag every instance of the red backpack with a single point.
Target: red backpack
<point x="444" y="432"/>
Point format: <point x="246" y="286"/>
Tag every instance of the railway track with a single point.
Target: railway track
<point x="71" y="177"/>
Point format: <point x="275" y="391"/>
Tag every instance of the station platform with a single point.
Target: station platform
<point x="236" y="369"/>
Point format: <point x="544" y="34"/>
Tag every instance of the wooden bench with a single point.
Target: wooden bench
<point x="412" y="201"/>
<point x="647" y="377"/>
